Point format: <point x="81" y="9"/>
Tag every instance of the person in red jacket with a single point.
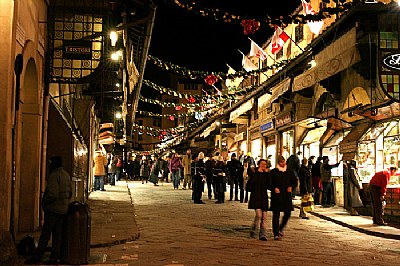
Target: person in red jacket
<point x="377" y="187"/>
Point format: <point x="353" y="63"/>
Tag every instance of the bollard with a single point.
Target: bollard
<point x="76" y="235"/>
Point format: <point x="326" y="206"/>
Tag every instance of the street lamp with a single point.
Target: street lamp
<point x="118" y="115"/>
<point x="113" y="38"/>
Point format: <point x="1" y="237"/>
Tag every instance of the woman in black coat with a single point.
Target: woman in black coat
<point x="258" y="185"/>
<point x="282" y="184"/>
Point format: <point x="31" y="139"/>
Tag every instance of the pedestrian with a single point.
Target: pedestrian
<point x="119" y="166"/>
<point x="282" y="184"/>
<point x="99" y="171"/>
<point x="155" y="171"/>
<point x="246" y="177"/>
<point x="305" y="184"/>
<point x="326" y="178"/>
<point x="165" y="170"/>
<point x="187" y="162"/>
<point x="293" y="166"/>
<point x="112" y="169"/>
<point x="198" y="174"/>
<point x="55" y="202"/>
<point x="144" y="169"/>
<point x="377" y="188"/>
<point x="175" y="165"/>
<point x="209" y="165"/>
<point x="220" y="179"/>
<point x="353" y="190"/>
<point x="269" y="162"/>
<point x="310" y="162"/>
<point x="233" y="170"/>
<point x="258" y="185"/>
<point x="316" y="181"/>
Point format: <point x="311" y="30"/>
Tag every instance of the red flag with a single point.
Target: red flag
<point x="315" y="26"/>
<point x="278" y="40"/>
<point x="257" y="51"/>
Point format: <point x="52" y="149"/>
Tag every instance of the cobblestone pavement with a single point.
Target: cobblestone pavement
<point x="174" y="231"/>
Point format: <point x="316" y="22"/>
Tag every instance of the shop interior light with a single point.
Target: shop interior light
<point x="115" y="56"/>
<point x="117" y="85"/>
<point x="113" y="38"/>
<point x="218" y="123"/>
<point x="312" y="63"/>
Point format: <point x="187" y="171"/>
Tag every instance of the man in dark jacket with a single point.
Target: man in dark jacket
<point x="293" y="167"/>
<point x="326" y="178"/>
<point x="198" y="173"/>
<point x="233" y="170"/>
<point x="55" y="205"/>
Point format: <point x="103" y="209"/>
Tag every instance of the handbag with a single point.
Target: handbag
<point x="307" y="203"/>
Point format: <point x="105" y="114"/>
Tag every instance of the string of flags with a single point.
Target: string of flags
<point x="251" y="25"/>
<point x="192" y="102"/>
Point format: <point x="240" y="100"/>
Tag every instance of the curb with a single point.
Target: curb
<point x="355" y="228"/>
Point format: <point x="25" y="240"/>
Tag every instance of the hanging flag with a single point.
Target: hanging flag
<point x="247" y="64"/>
<point x="257" y="51"/>
<point x="315" y="26"/>
<point x="278" y="40"/>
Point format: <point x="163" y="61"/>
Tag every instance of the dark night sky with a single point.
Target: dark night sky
<point x="201" y="43"/>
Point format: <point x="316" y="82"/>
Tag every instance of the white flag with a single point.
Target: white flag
<point x="257" y="51"/>
<point x="247" y="64"/>
<point x="235" y="82"/>
<point x="315" y="26"/>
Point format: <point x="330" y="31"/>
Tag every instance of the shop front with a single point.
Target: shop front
<point x="255" y="143"/>
<point x="269" y="138"/>
<point x="283" y="125"/>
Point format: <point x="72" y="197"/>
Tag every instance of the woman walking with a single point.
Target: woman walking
<point x="258" y="185"/>
<point x="282" y="184"/>
<point x="175" y="165"/>
<point x="144" y="169"/>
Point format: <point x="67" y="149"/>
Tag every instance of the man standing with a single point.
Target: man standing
<point x="293" y="167"/>
<point x="326" y="178"/>
<point x="187" y="162"/>
<point x="233" y="171"/>
<point x="377" y="187"/>
<point x="55" y="205"/>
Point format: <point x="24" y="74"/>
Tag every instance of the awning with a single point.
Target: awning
<point x="338" y="56"/>
<point x="313" y="135"/>
<point x="241" y="110"/>
<point x="208" y="130"/>
<point x="349" y="143"/>
<point x="276" y="91"/>
<point x="381" y="112"/>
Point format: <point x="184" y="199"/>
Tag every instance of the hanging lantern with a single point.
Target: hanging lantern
<point x="211" y="79"/>
<point x="172" y="118"/>
<point x="191" y="99"/>
<point x="164" y="133"/>
<point x="178" y="108"/>
<point x="250" y="26"/>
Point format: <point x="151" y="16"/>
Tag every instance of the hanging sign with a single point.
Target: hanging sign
<point x="283" y="119"/>
<point x="74" y="49"/>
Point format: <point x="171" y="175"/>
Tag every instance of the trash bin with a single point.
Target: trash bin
<point x="76" y="234"/>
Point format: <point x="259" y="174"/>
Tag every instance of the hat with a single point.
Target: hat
<point x="201" y="155"/>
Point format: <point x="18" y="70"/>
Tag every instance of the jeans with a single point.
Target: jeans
<point x="233" y="182"/>
<point x="52" y="226"/>
<point x="326" y="193"/>
<point x="98" y="182"/>
<point x="377" y="209"/>
<point x="187" y="180"/>
<point x="176" y="176"/>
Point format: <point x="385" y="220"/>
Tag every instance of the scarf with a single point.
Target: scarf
<point x="281" y="169"/>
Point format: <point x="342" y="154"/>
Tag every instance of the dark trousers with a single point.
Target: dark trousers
<point x="220" y="189"/>
<point x="326" y="193"/>
<point x="197" y="186"/>
<point x="233" y="182"/>
<point x="376" y="201"/>
<point x="276" y="227"/>
<point x="52" y="226"/>
<point x="209" y="187"/>
<point x="241" y="189"/>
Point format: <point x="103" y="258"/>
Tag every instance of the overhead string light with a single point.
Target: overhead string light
<point x="198" y="74"/>
<point x="192" y="102"/>
<point x="251" y="25"/>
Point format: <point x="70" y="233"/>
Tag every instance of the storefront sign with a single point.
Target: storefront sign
<point x="239" y="137"/>
<point x="77" y="50"/>
<point x="282" y="120"/>
<point x="267" y="126"/>
<point x="392" y="61"/>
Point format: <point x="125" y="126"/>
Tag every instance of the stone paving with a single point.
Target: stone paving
<point x="164" y="227"/>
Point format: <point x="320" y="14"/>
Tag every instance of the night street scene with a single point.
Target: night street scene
<point x="212" y="132"/>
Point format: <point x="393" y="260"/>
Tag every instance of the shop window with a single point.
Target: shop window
<point x="287" y="143"/>
<point x="190" y="87"/>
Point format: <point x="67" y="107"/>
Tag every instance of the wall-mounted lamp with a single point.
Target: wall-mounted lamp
<point x="118" y="115"/>
<point x="117" y="85"/>
<point x="115" y="56"/>
<point x="312" y="63"/>
<point x="113" y="38"/>
<point x="217" y="123"/>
